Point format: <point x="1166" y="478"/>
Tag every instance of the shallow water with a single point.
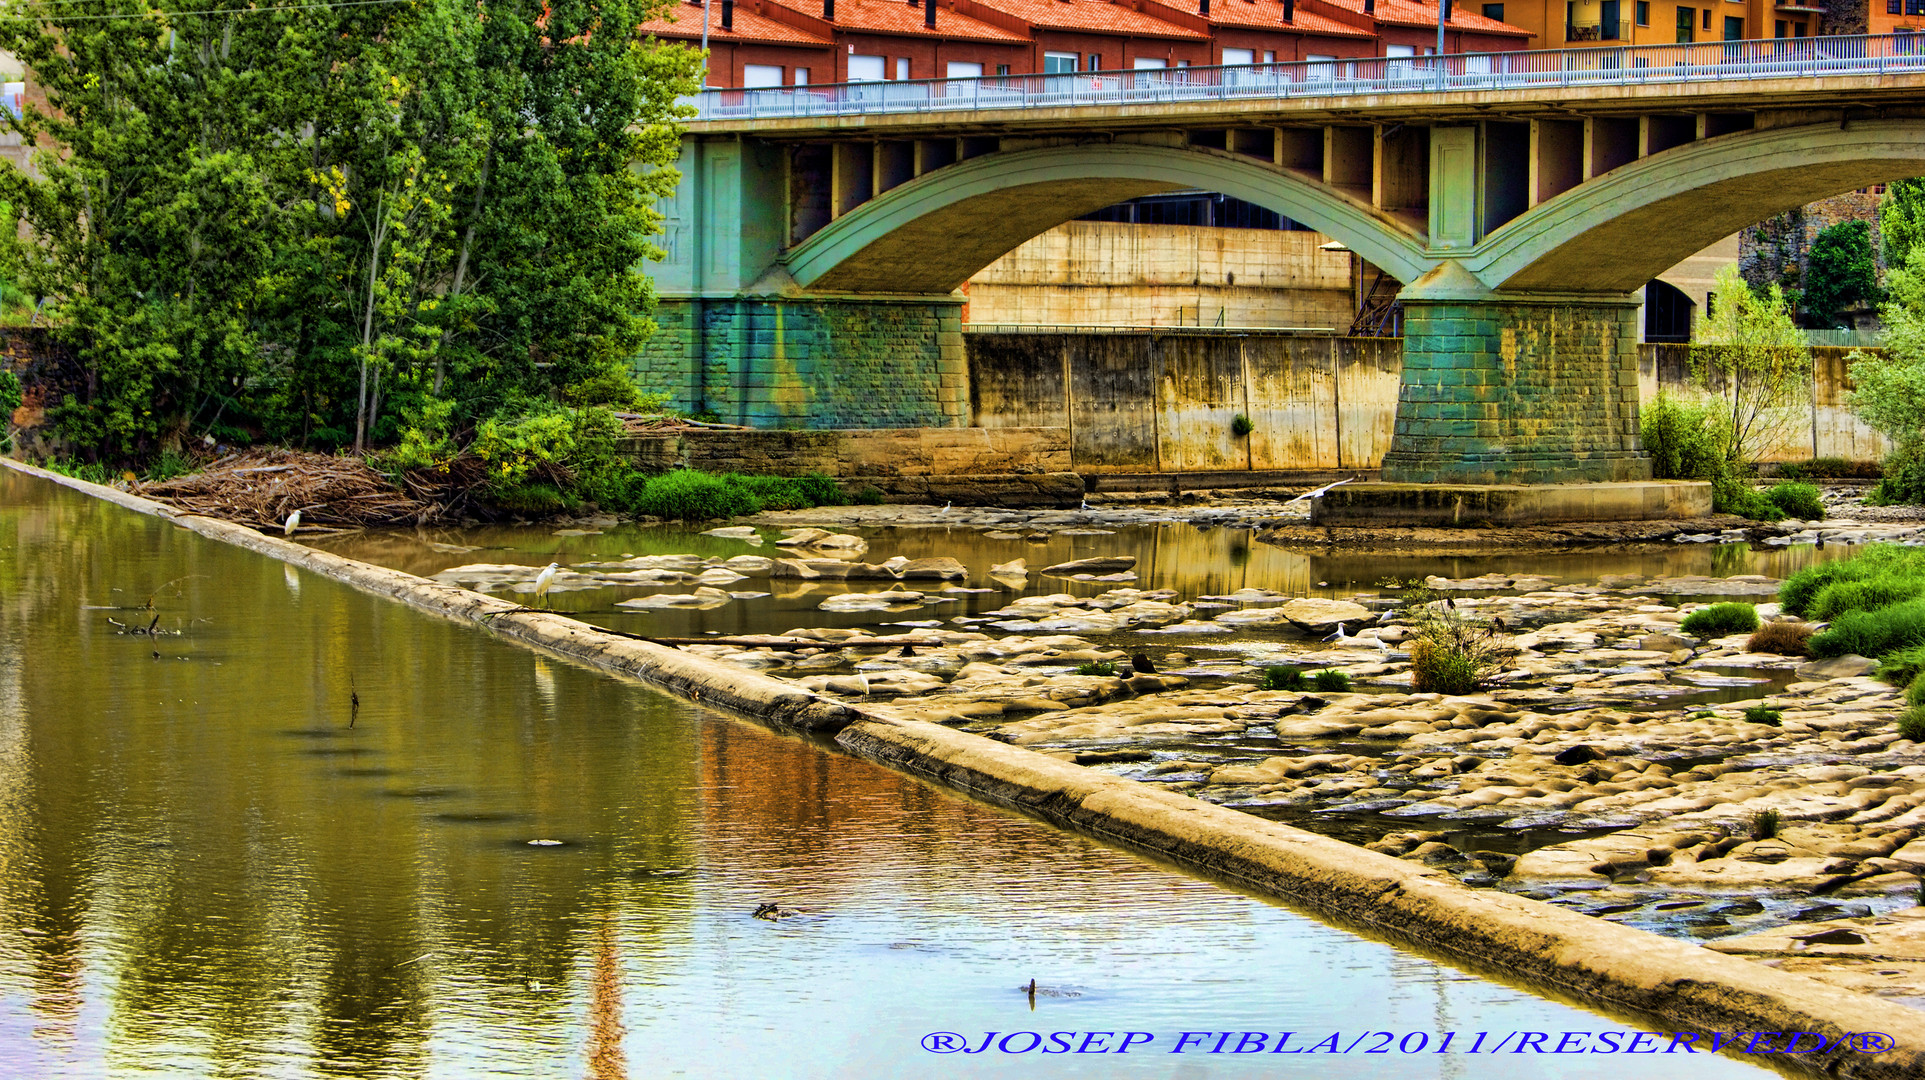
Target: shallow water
<point x="212" y="863"/>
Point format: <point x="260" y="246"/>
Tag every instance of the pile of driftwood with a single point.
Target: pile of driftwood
<point x="263" y="488"/>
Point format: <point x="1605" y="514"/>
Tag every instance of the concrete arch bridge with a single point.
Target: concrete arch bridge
<point x="814" y="252"/>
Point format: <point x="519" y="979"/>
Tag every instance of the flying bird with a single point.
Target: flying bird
<point x="1319" y="492"/>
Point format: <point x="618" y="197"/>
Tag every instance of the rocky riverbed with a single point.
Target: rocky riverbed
<point x="1613" y="763"/>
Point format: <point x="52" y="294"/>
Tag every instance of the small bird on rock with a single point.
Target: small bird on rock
<point x="1142" y="664"/>
<point x="907" y="651"/>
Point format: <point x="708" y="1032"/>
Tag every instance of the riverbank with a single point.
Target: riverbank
<point x="1611" y="965"/>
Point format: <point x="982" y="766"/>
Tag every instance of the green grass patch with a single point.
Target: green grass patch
<point x="1096" y="667"/>
<point x="691" y="495"/>
<point x="1902" y="668"/>
<point x="1873" y="633"/>
<point x="1912" y="724"/>
<point x="1331" y="682"/>
<point x="1281" y="678"/>
<point x="1797" y="500"/>
<point x="1721" y="619"/>
<point x="1764" y="824"/>
<point x="1871" y="594"/>
<point x="1764" y="714"/>
<point x="1875" y="562"/>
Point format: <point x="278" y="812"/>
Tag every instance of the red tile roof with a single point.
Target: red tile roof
<point x="1095" y="16"/>
<point x="684" y="21"/>
<point x="1406" y="13"/>
<point x="899" y="17"/>
<point x="1268" y="15"/>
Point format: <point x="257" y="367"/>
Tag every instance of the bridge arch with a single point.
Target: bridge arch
<point x="933" y="233"/>
<point x="1614" y="233"/>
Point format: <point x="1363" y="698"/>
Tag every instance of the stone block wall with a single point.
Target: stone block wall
<point x="1518" y="392"/>
<point x="816" y="363"/>
<point x="1777" y="250"/>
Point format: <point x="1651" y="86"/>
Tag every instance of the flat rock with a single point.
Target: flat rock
<point x="939" y="568"/>
<point x="1838" y="667"/>
<point x="1106" y="564"/>
<point x="1319" y="616"/>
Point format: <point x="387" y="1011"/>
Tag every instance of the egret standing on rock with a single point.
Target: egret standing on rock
<point x="545" y="579"/>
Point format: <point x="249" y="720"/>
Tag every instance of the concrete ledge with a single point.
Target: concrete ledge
<point x="1616" y="967"/>
<point x="1481" y="505"/>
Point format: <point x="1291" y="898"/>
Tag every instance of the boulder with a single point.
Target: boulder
<point x="1317" y="616"/>
<point x="939" y="568"/>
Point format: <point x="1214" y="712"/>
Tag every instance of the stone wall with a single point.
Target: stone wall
<point x="1777" y="250"/>
<point x="1167" y="402"/>
<point x="818" y="363"/>
<point x="1826" y="429"/>
<point x="1104" y="273"/>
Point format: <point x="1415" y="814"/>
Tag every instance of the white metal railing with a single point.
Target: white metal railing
<point x="1719" y="61"/>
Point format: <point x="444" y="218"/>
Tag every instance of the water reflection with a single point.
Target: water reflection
<point x="205" y="871"/>
<point x="1194" y="562"/>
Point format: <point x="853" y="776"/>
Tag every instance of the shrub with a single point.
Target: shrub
<point x="1797" y="500"/>
<point x="1721" y="619"/>
<point x="10" y="398"/>
<point x="1901" y="668"/>
<point x="1839" y="272"/>
<point x="1331" y="682"/>
<point x="1912" y="726"/>
<point x="1915" y="693"/>
<point x="1439" y="668"/>
<point x="1876" y="560"/>
<point x="1764" y="824"/>
<point x="1873" y="633"/>
<point x="1783" y="638"/>
<point x="689" y="495"/>
<point x="167" y="465"/>
<point x="1096" y="667"/>
<point x="1685" y="439"/>
<point x="1763" y="714"/>
<point x="1281" y="678"/>
<point x="91" y="471"/>
<point x="1241" y="426"/>
<point x="425" y="439"/>
<point x="869" y="496"/>
<point x="531" y="499"/>
<point x="1904" y="479"/>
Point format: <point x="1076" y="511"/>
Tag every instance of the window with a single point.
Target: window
<point x="866" y="68"/>
<point x="1734" y="28"/>
<point x="1149" y="63"/>
<point x="1915" y="7"/>
<point x="958" y="69"/>
<point x="1494" y="11"/>
<point x="1096" y="61"/>
<point x="1182" y="63"/>
<point x="11" y="95"/>
<point x="801" y="76"/>
<point x="1400" y="50"/>
<point x="1893" y="7"/>
<point x="1058" y="63"/>
<point x="1238" y="56"/>
<point x="1269" y="56"/>
<point x="1686" y="21"/>
<point x="902" y="67"/>
<point x="1321" y="67"/>
<point x="758" y="75"/>
<point x="1707" y="18"/>
<point x="1002" y="69"/>
<point x="1644" y="12"/>
<point x="1779" y="27"/>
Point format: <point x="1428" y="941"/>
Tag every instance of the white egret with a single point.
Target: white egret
<point x="545" y="579"/>
<point x="293" y="522"/>
<point x="1319" y="493"/>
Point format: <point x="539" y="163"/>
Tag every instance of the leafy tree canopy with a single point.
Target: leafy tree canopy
<point x="299" y="222"/>
<point x="1840" y="271"/>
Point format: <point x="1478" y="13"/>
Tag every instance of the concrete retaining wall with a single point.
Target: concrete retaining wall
<point x="1164" y="401"/>
<point x="1611" y="966"/>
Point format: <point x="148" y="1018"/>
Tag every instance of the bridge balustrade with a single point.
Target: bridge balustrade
<point x="1775" y="58"/>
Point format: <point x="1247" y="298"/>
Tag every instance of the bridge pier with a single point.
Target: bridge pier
<point x="811" y="362"/>
<point x="1516" y="388"/>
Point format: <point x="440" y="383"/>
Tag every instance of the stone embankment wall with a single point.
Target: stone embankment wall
<point x="1826" y="428"/>
<point x="1106" y="273"/>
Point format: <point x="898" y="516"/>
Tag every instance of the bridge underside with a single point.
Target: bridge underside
<point x="818" y="273"/>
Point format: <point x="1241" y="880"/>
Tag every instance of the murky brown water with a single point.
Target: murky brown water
<point x="212" y="865"/>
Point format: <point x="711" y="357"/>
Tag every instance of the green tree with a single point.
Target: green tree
<point x="1750" y="355"/>
<point x="1901" y="219"/>
<point x="307" y="219"/>
<point x="1840" y="271"/>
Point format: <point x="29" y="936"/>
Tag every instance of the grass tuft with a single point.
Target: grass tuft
<point x="1721" y="619"/>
